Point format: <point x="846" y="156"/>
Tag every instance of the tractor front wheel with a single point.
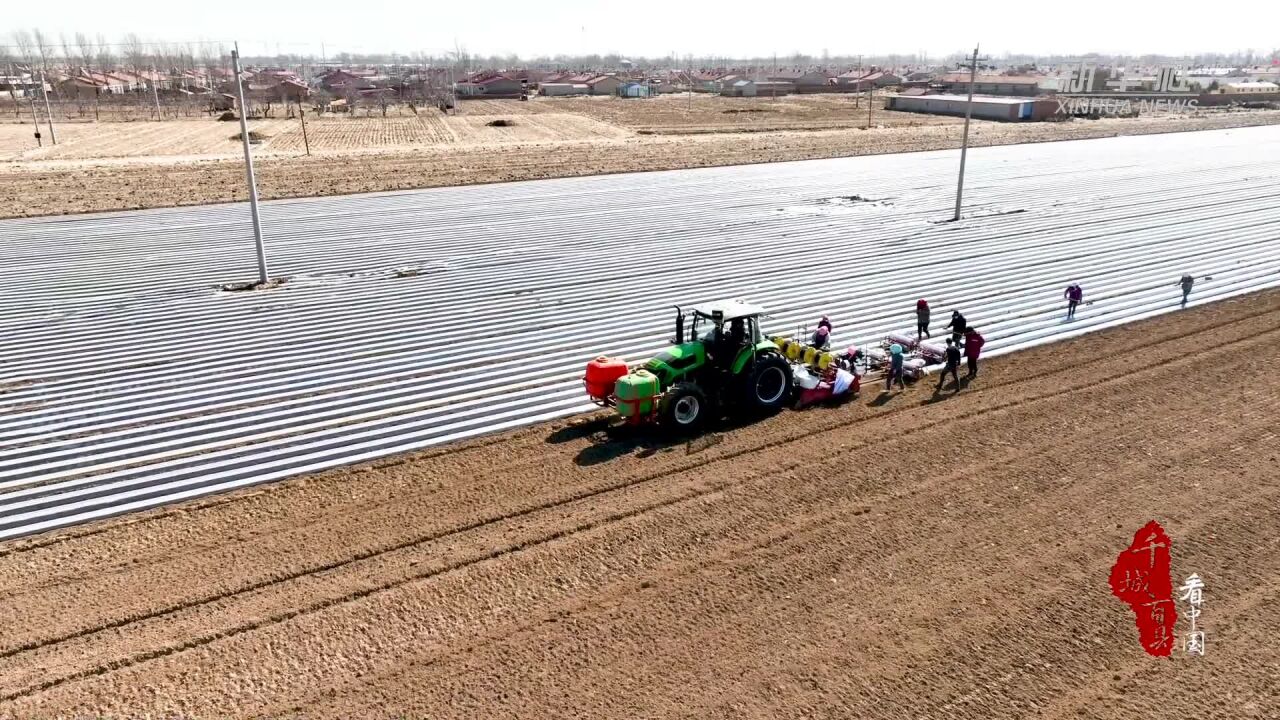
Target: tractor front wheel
<point x="684" y="408"/>
<point x="769" y="385"/>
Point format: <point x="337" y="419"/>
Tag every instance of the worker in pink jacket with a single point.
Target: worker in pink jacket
<point x="973" y="343"/>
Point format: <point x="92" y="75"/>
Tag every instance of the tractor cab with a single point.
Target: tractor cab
<point x="724" y="329"/>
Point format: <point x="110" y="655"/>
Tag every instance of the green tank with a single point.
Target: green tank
<point x="636" y="393"/>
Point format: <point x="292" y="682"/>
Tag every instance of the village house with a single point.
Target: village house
<point x="563" y="89"/>
<point x="758" y="88"/>
<point x="1016" y="85"/>
<point x="604" y="85"/>
<point x="856" y="81"/>
<point x="491" y="86"/>
<point x="1247" y="88"/>
<point x="79" y="88"/>
<point x="805" y="81"/>
<point x="288" y="90"/>
<point x="340" y="81"/>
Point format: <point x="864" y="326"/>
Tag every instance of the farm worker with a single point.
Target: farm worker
<point x="850" y="357"/>
<point x="1074" y="294"/>
<point x="895" y="368"/>
<point x="973" y="343"/>
<point x="1186" y="282"/>
<point x="821" y="338"/>
<point x="922" y="319"/>
<point x="826" y="323"/>
<point x="952" y="366"/>
<point x="957" y="325"/>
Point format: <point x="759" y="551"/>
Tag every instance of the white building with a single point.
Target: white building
<point x="1248" y="88"/>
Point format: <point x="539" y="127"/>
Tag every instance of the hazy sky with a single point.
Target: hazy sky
<point x="660" y="27"/>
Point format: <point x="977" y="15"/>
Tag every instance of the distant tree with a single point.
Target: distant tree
<point x="8" y="60"/>
<point x="135" y="58"/>
<point x="44" y="47"/>
<point x="22" y="41"/>
<point x="85" y="58"/>
<point x="106" y="59"/>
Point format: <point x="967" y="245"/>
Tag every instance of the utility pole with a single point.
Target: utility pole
<point x="775" y="76"/>
<point x="248" y="168"/>
<point x="302" y="115"/>
<point x="871" y="96"/>
<point x="48" y="112"/>
<point x="35" y="120"/>
<point x="155" y="93"/>
<point x="964" y="143"/>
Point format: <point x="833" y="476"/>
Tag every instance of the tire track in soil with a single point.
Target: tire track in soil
<point x="375" y="591"/>
<point x="519" y="514"/>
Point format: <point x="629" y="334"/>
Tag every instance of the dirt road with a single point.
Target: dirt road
<point x="129" y="174"/>
<point x="899" y="557"/>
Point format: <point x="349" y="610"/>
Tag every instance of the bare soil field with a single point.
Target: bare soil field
<point x="685" y="115"/>
<point x="187" y="140"/>
<point x="912" y="556"/>
<point x="457" y="152"/>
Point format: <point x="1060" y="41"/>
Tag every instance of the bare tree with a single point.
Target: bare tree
<point x="106" y="60"/>
<point x="86" y="58"/>
<point x="22" y="41"/>
<point x="135" y="57"/>
<point x="9" y="61"/>
<point x="45" y="47"/>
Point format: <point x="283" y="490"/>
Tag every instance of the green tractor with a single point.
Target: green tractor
<point x="720" y="364"/>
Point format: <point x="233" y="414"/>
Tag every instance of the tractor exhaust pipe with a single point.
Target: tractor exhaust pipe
<point x="679" y="326"/>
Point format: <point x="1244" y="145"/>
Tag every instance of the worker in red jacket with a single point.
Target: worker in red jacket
<point x="973" y="343"/>
<point x="922" y="319"/>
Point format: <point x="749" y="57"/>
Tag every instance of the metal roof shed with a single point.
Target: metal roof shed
<point x="984" y="108"/>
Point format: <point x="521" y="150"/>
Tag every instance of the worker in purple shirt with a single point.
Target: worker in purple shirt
<point x="1074" y="294"/>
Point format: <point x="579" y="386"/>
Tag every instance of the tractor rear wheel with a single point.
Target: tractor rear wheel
<point x="684" y="408"/>
<point x="769" y="384"/>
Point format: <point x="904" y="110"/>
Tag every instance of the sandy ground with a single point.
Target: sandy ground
<point x="115" y="166"/>
<point x="900" y="557"/>
<point x="538" y="120"/>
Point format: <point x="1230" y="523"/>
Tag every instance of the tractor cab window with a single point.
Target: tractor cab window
<point x="704" y="329"/>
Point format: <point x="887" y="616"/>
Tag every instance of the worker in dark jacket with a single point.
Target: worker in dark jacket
<point x="973" y="343"/>
<point x="1186" y="282"/>
<point x="957" y="326"/>
<point x="1074" y="294"/>
<point x="922" y="319"/>
<point x="952" y="366"/>
<point x="826" y="323"/>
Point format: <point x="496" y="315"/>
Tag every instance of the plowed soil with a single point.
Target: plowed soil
<point x="905" y="556"/>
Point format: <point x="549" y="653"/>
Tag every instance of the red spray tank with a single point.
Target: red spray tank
<point x="602" y="374"/>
